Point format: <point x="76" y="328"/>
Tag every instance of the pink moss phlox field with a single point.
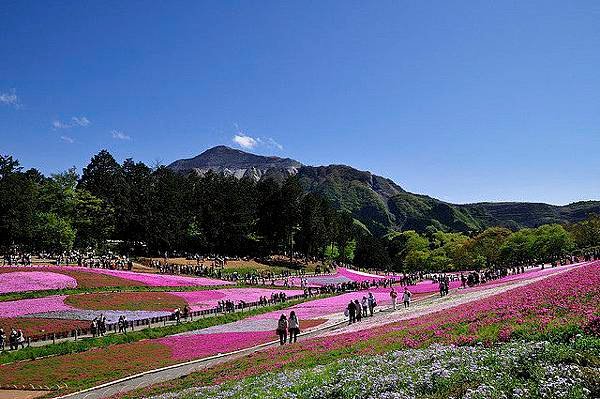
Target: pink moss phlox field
<point x="319" y="308"/>
<point x="194" y="346"/>
<point x="30" y="306"/>
<point x="149" y="279"/>
<point x="528" y="275"/>
<point x="358" y="276"/>
<point x="34" y="281"/>
<point x="570" y="297"/>
<point x="208" y="299"/>
<point x="162" y="280"/>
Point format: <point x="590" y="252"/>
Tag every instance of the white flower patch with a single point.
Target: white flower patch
<point x="514" y="370"/>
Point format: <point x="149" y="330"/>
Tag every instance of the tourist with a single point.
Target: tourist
<point x="177" y="315"/>
<point x="293" y="326"/>
<point x="2" y="339"/>
<point x="282" y="327"/>
<point x="12" y="339"/>
<point x="406" y="297"/>
<point x="94" y="327"/>
<point x="364" y="306"/>
<point x="358" y="312"/>
<point x="186" y="312"/>
<point x="101" y="325"/>
<point x="372" y="303"/>
<point x="351" y="312"/>
<point x="394" y="296"/>
<point x="20" y="340"/>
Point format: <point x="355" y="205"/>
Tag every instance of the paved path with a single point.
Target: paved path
<point x="337" y="325"/>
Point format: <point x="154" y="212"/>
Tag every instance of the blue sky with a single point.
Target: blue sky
<point x="465" y="101"/>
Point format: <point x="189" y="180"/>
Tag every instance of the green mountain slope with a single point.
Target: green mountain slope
<point x="380" y="204"/>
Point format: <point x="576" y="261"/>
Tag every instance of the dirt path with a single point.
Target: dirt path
<point x="16" y="394"/>
<point x="336" y="325"/>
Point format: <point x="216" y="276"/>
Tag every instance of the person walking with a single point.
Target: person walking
<point x="2" y="339"/>
<point x="371" y="302"/>
<point x="406" y="297"/>
<point x="394" y="296"/>
<point x="358" y="312"/>
<point x="351" y="313"/>
<point x="364" y="304"/>
<point x="293" y="327"/>
<point x="282" y="328"/>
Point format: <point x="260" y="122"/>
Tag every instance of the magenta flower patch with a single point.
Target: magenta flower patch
<point x="194" y="346"/>
<point x="34" y="281"/>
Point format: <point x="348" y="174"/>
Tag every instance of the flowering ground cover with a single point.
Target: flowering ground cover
<point x="33" y="327"/>
<point x="24" y="307"/>
<point x="83" y="277"/>
<point x="94" y="357"/>
<point x="208" y="299"/>
<point x="34" y="281"/>
<point x="194" y="346"/>
<point x="126" y="301"/>
<point x="332" y="305"/>
<point x="558" y="307"/>
<point x="78" y="310"/>
<point x="162" y="280"/>
<point x="83" y="369"/>
<point x="516" y="370"/>
<point x="96" y="278"/>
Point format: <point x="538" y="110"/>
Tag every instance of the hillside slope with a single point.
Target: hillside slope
<point x="379" y="203"/>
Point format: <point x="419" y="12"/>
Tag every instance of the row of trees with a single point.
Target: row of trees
<point x="158" y="210"/>
<point x="495" y="247"/>
<point x="155" y="210"/>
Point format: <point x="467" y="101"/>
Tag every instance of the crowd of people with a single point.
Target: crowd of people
<point x="79" y="258"/>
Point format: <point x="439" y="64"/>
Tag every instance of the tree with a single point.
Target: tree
<point x="53" y="233"/>
<point x="551" y="243"/>
<point x="371" y="253"/>
<point x="586" y="234"/>
<point x="488" y="244"/>
<point x="518" y="248"/>
<point x="19" y="201"/>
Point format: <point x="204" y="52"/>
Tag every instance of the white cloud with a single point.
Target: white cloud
<point x="10" y="98"/>
<point x="76" y="121"/>
<point x="116" y="134"/>
<point x="59" y="125"/>
<point x="244" y="141"/>
<point x="67" y="139"/>
<point x="249" y="142"/>
<point x="272" y="143"/>
<point x="81" y="121"/>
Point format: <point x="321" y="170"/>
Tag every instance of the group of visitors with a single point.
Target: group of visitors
<point x="16" y="259"/>
<point x="98" y="326"/>
<point x="356" y="310"/>
<point x="287" y="326"/>
<point x="178" y="314"/>
<point x="406" y="297"/>
<point x="444" y="286"/>
<point x="15" y="338"/>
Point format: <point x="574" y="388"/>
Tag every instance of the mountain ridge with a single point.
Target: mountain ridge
<point x="378" y="202"/>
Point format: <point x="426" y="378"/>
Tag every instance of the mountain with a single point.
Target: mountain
<point x="229" y="161"/>
<point x="379" y="203"/>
